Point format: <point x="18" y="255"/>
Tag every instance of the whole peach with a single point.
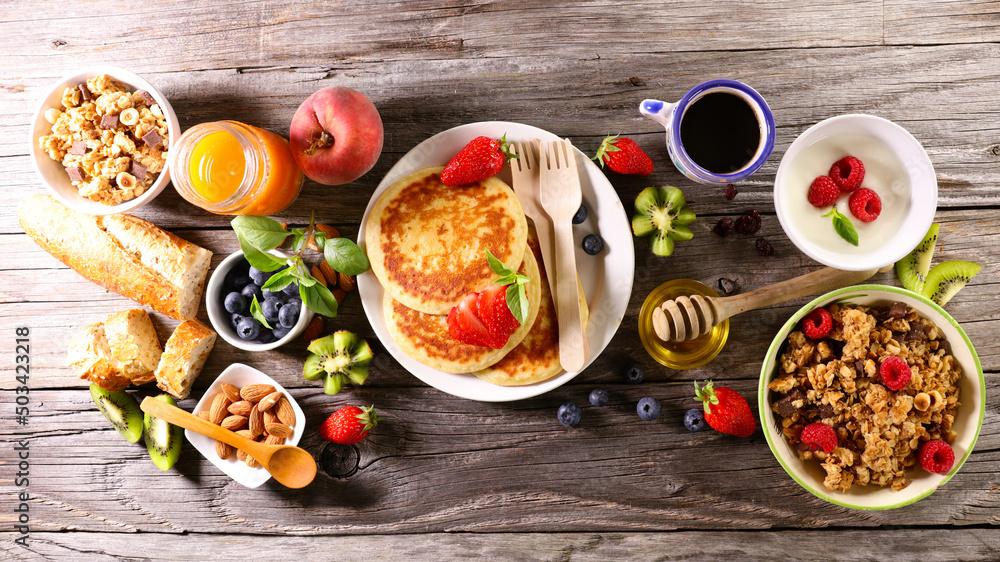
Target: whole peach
<point x="336" y="135"/>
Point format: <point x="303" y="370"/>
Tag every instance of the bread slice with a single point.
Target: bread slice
<point x="183" y="357"/>
<point x="90" y="356"/>
<point x="134" y="344"/>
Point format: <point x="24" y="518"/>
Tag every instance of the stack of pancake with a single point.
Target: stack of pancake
<point x="427" y="244"/>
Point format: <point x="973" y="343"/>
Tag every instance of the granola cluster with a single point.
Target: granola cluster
<point x="836" y="381"/>
<point x="112" y="142"/>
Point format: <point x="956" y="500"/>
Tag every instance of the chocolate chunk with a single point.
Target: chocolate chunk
<point x="138" y="171"/>
<point x="85" y="91"/>
<point x="859" y="368"/>
<point x="897" y="310"/>
<point x="900" y="337"/>
<point x="146" y="97"/>
<point x="825" y="411"/>
<point x="785" y="407"/>
<point x="916" y="332"/>
<point x="797" y="395"/>
<point x="79" y="148"/>
<point x="75" y="173"/>
<point x="109" y="122"/>
<point x="152" y="139"/>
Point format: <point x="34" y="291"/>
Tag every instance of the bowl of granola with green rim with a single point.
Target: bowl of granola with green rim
<point x="877" y="420"/>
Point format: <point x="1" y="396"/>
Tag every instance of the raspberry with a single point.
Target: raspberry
<point x="749" y="222"/>
<point x="731" y="192"/>
<point x="865" y="204"/>
<point x="895" y="373"/>
<point x="819" y="436"/>
<point x="724" y="227"/>
<point x="823" y="192"/>
<point x="817" y="324"/>
<point x="847" y="173"/>
<point x="764" y="247"/>
<point x="937" y="456"/>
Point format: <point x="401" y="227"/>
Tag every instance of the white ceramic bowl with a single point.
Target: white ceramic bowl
<point x="240" y="375"/>
<point x="903" y="226"/>
<point x="52" y="173"/>
<point x="220" y="318"/>
<point x="968" y="422"/>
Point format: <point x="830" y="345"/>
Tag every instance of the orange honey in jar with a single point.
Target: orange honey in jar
<point x="231" y="168"/>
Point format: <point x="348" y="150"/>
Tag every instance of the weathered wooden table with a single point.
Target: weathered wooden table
<point x="447" y="478"/>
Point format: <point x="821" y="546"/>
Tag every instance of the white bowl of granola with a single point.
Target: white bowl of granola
<point x="879" y="432"/>
<point x="100" y="138"/>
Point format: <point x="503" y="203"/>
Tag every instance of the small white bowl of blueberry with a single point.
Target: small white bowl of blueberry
<point x="231" y="290"/>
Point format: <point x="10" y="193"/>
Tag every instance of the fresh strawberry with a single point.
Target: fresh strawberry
<point x="726" y="410"/>
<point x="468" y="327"/>
<point x="496" y="314"/>
<point x="348" y="425"/>
<point x="624" y="157"/>
<point x="482" y="158"/>
<point x="485" y="318"/>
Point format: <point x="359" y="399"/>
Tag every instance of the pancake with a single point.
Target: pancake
<point x="425" y="337"/>
<point x="536" y="358"/>
<point x="427" y="241"/>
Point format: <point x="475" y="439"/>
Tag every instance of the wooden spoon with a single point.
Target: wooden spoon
<point x="290" y="465"/>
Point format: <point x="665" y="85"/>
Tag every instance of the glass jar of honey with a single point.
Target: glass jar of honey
<point x="231" y="168"/>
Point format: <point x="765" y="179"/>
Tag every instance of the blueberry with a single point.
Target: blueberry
<point x="592" y="244"/>
<point x="581" y="215"/>
<point x="235" y="303"/>
<point x="569" y="414"/>
<point x="291" y="290"/>
<point x="266" y="336"/>
<point x="272" y="294"/>
<point x="648" y="408"/>
<point x="280" y="332"/>
<point x="599" y="397"/>
<point x="634" y="373"/>
<point x="252" y="290"/>
<point x="694" y="419"/>
<point x="234" y="320"/>
<point x="271" y="307"/>
<point x="294" y="301"/>
<point x="238" y="278"/>
<point x="288" y="315"/>
<point x="259" y="277"/>
<point x="248" y="328"/>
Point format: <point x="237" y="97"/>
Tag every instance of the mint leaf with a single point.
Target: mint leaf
<point x="257" y="258"/>
<point x="280" y="280"/>
<point x="843" y="226"/>
<point x="260" y="232"/>
<point x="517" y="301"/>
<point x="257" y="313"/>
<point x="318" y="299"/>
<point x="345" y="256"/>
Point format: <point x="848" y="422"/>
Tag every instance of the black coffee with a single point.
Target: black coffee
<point x="720" y="132"/>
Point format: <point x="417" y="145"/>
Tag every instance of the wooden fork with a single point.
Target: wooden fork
<point x="524" y="170"/>
<point x="560" y="195"/>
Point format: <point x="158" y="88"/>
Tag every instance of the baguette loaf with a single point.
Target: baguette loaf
<point x="125" y="254"/>
<point x="183" y="357"/>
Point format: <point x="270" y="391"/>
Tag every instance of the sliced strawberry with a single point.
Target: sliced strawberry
<point x="469" y="323"/>
<point x="496" y="314"/>
<point x="455" y="330"/>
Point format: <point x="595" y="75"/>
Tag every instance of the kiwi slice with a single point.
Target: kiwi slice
<point x="121" y="410"/>
<point x="662" y="214"/>
<point x="947" y="279"/>
<point x="341" y="357"/>
<point x="912" y="269"/>
<point x="163" y="440"/>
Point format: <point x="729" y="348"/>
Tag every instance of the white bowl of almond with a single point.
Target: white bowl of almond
<point x="250" y="403"/>
<point x="100" y="139"/>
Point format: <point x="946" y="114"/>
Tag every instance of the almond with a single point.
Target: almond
<point x="329" y="273"/>
<point x="268" y="401"/>
<point x="232" y="423"/>
<point x="328" y="231"/>
<point x="274" y="440"/>
<point x="252" y="462"/>
<point x="220" y="407"/>
<point x="232" y="392"/>
<point x="224" y="450"/>
<point x="204" y="414"/>
<point x="254" y="392"/>
<point x="245" y="433"/>
<point x="240" y="455"/>
<point x="283" y="409"/>
<point x="314" y="330"/>
<point x="340" y="295"/>
<point x="316" y="273"/>
<point x="241" y="408"/>
<point x="278" y="429"/>
<point x="256" y="422"/>
<point x="284" y="226"/>
<point x="346" y="282"/>
<point x="269" y="417"/>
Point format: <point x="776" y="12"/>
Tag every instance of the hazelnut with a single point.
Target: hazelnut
<point x="921" y="402"/>
<point x="937" y="402"/>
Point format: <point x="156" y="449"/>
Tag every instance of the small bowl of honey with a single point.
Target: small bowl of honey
<point x="680" y="355"/>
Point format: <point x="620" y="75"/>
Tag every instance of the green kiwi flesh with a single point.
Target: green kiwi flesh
<point x="948" y="278"/>
<point x="342" y="357"/>
<point x="912" y="270"/>
<point x="662" y="215"/>
<point x="121" y="410"/>
<point x="163" y="440"/>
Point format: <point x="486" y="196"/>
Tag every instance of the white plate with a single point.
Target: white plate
<point x="240" y="375"/>
<point x="607" y="277"/>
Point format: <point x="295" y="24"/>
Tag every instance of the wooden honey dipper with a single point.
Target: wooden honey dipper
<point x="685" y="318"/>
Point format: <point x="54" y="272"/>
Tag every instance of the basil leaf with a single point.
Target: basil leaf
<point x="298" y="241"/>
<point x="345" y="256"/>
<point x="319" y="239"/>
<point x="843" y="226"/>
<point x="302" y="275"/>
<point x="319" y="299"/>
<point x="498" y="266"/>
<point x="257" y="313"/>
<point x="261" y="260"/>
<point x="261" y="232"/>
<point x="280" y="280"/>
<point x="517" y="301"/>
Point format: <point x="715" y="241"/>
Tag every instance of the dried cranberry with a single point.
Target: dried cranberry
<point x="724" y="227"/>
<point x="764" y="247"/>
<point x="749" y="222"/>
<point x="731" y="192"/>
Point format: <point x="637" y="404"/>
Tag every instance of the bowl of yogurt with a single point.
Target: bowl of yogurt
<point x="897" y="168"/>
